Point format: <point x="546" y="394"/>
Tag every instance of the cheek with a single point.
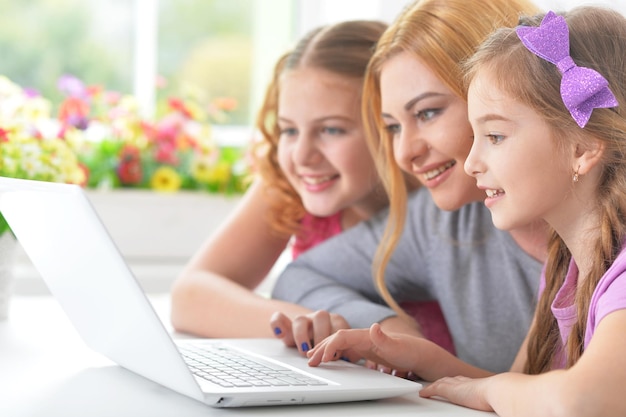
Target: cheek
<point x="457" y="146"/>
<point x="397" y="157"/>
<point x="283" y="154"/>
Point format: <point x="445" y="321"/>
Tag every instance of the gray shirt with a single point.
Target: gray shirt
<point x="485" y="283"/>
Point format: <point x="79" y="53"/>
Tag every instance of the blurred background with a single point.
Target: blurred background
<point x="159" y="48"/>
<point x="214" y="57"/>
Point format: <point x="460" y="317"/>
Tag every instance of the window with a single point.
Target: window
<point x="146" y="47"/>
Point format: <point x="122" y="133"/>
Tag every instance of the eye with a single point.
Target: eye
<point x="392" y="129"/>
<point x="494" y="138"/>
<point x="288" y="132"/>
<point x="426" y="114"/>
<point x="331" y="130"/>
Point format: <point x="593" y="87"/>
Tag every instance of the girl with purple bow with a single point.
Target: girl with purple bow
<point x="549" y="143"/>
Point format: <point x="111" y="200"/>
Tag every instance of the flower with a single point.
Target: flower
<point x="166" y="178"/>
<point x="175" y="150"/>
<point x="29" y="148"/>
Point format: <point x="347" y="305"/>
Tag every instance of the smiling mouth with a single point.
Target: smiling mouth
<point x="438" y="171"/>
<point x="494" y="193"/>
<point x="318" y="180"/>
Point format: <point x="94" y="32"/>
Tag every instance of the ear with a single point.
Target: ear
<point x="587" y="155"/>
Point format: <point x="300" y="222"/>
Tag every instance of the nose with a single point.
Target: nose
<point x="305" y="150"/>
<point x="473" y="165"/>
<point x="409" y="148"/>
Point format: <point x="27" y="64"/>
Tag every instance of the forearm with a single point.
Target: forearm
<point x="209" y="305"/>
<point x="549" y="394"/>
<point x="434" y="362"/>
<point x="305" y="286"/>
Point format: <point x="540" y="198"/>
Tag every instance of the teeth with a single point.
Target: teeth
<point x="316" y="180"/>
<point x="432" y="174"/>
<point x="494" y="193"/>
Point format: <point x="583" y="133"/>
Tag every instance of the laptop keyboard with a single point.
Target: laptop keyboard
<point x="231" y="368"/>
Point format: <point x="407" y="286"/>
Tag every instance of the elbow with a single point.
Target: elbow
<point x="181" y="299"/>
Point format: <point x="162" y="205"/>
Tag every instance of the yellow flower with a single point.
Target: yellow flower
<point x="165" y="179"/>
<point x="207" y="171"/>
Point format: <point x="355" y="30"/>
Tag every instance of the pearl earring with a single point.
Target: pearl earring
<point x="575" y="177"/>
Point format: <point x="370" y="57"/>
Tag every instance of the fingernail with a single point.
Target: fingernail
<point x="343" y="358"/>
<point x="304" y="346"/>
<point x="277" y="331"/>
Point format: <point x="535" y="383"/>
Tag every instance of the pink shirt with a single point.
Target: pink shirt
<point x="314" y="231"/>
<point x="609" y="296"/>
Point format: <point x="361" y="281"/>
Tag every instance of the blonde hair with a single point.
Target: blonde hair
<point x="598" y="41"/>
<point x="344" y="49"/>
<point x="442" y="34"/>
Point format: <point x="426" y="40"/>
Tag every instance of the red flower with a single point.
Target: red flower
<point x="74" y="112"/>
<point x="129" y="170"/>
<point x="4" y="135"/>
<point x="179" y="105"/>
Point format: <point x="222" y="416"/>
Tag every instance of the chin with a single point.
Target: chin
<point x="448" y="204"/>
<point x="317" y="212"/>
<point x="502" y="224"/>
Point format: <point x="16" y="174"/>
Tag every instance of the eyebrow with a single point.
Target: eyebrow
<point x="320" y="119"/>
<point x="409" y="104"/>
<point x="421" y="97"/>
<point x="491" y="116"/>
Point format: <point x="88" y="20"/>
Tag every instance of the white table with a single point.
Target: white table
<point x="46" y="370"/>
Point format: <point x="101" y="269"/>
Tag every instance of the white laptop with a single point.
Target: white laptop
<point x="83" y="269"/>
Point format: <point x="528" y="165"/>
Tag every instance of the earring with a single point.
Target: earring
<point x="575" y="177"/>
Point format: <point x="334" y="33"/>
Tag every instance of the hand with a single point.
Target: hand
<point x="393" y="352"/>
<point x="308" y="330"/>
<point x="460" y="390"/>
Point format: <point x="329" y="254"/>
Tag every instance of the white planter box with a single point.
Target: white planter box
<point x="156" y="233"/>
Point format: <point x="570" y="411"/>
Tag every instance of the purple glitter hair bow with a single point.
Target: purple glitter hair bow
<point x="582" y="89"/>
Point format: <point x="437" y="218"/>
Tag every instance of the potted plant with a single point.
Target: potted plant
<point x="172" y="151"/>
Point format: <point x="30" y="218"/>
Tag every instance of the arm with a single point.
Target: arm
<point x="400" y="351"/>
<point x="592" y="387"/>
<point x="336" y="275"/>
<point x="213" y="296"/>
<point x="307" y="331"/>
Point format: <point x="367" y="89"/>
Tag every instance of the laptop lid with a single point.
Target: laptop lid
<point x="70" y="247"/>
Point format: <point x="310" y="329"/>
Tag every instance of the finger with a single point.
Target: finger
<point x="438" y="388"/>
<point x="384" y="369"/>
<point x="301" y="330"/>
<point x="340" y="345"/>
<point x="281" y="326"/>
<point x="400" y="373"/>
<point x="316" y="354"/>
<point x="378" y="337"/>
<point x="385" y="350"/>
<point x="321" y="326"/>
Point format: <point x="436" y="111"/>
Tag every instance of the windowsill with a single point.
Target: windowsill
<point x="156" y="233"/>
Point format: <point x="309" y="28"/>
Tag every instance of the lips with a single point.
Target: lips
<point x="433" y="173"/>
<point x="310" y="180"/>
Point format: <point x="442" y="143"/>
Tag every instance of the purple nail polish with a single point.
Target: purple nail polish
<point x="304" y="346"/>
<point x="277" y="331"/>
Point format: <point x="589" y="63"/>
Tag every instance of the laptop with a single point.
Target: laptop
<point x="68" y="244"/>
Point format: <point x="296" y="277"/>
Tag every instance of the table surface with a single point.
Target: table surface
<point x="47" y="370"/>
